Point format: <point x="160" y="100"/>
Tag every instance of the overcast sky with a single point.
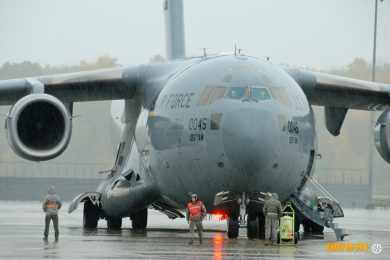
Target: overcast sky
<point x="315" y="33"/>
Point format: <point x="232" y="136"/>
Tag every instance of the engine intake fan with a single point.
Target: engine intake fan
<point x="39" y="127"/>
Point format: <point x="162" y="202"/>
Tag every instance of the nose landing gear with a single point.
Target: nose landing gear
<point x="244" y="210"/>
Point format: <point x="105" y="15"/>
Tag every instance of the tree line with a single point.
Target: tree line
<point x="361" y="69"/>
<point x="11" y="70"/>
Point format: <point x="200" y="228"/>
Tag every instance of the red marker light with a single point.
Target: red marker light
<point x="219" y="214"/>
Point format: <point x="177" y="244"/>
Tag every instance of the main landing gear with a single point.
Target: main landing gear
<point x="90" y="215"/>
<point x="139" y="221"/>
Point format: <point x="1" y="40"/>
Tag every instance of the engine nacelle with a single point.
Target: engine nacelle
<point x="39" y="127"/>
<point x="382" y="135"/>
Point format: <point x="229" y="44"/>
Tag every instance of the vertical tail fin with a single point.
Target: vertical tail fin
<point x="174" y="29"/>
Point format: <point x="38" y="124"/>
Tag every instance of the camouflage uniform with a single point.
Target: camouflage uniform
<point x="272" y="211"/>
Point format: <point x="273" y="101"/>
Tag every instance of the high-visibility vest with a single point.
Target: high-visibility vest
<point x="52" y="205"/>
<point x="195" y="209"/>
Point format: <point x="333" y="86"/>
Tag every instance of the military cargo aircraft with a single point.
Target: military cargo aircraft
<point x="228" y="127"/>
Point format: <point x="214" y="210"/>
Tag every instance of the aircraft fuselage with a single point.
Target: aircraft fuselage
<point x="226" y="123"/>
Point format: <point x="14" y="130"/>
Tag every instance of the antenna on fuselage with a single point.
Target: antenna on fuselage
<point x="237" y="50"/>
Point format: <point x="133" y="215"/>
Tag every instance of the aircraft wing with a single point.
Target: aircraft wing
<point x="340" y="92"/>
<point x="39" y="123"/>
<point x="104" y="84"/>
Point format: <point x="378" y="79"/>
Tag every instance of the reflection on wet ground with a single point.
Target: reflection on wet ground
<point x="21" y="227"/>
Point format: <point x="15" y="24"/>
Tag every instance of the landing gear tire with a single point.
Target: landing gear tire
<point x="317" y="229"/>
<point x="139" y="221"/>
<point x="90" y="215"/>
<point x="261" y="220"/>
<point x="252" y="227"/>
<point x="114" y="223"/>
<point x="233" y="228"/>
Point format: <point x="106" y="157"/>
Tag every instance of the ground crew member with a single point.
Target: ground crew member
<point x="196" y="211"/>
<point x="272" y="211"/>
<point x="51" y="205"/>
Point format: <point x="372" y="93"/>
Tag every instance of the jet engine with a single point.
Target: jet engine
<point x="39" y="127"/>
<point x="382" y="135"/>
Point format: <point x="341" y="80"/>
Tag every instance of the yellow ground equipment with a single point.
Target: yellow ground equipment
<point x="287" y="233"/>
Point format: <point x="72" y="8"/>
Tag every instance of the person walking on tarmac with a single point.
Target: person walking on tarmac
<point x="196" y="211"/>
<point x="51" y="205"/>
<point x="272" y="211"/>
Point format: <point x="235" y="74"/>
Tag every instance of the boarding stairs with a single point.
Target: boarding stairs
<point x="318" y="205"/>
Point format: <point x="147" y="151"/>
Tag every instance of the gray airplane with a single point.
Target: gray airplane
<point x="227" y="127"/>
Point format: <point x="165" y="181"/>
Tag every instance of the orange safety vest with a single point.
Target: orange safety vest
<point x="52" y="205"/>
<point x="195" y="209"/>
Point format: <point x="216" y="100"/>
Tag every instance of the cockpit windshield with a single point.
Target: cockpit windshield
<point x="236" y="92"/>
<point x="213" y="93"/>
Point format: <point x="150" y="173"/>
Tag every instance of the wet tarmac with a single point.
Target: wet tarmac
<point x="21" y="226"/>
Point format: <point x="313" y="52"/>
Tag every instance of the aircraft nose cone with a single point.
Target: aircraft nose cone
<point x="247" y="136"/>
